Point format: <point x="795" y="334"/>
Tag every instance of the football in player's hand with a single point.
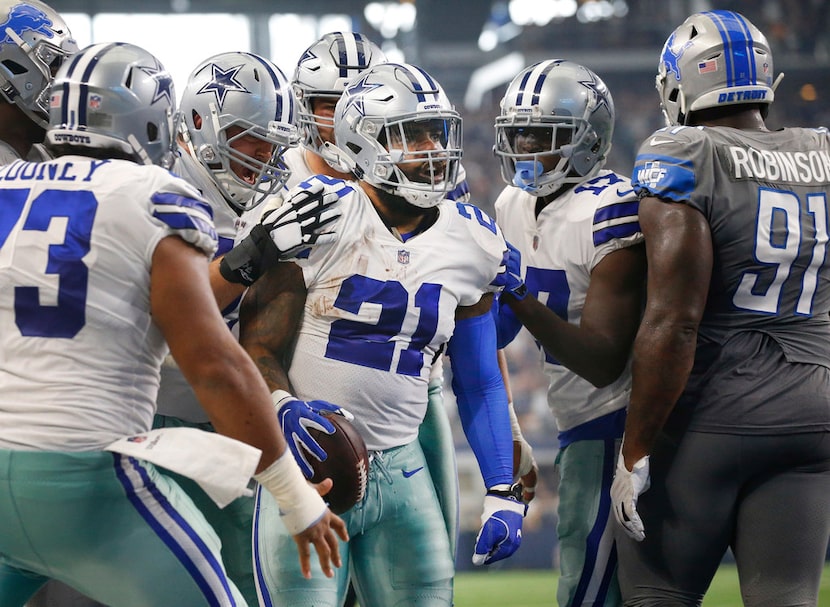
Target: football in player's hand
<point x="347" y="464"/>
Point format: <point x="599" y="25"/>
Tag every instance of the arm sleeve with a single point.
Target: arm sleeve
<point x="482" y="399"/>
<point x="507" y="325"/>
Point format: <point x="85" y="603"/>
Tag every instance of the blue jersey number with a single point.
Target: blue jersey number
<point x="68" y="316"/>
<point x="779" y="254"/>
<point x="373" y="344"/>
<point x="550" y="287"/>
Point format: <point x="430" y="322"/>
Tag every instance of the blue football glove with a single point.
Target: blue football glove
<point x="501" y="525"/>
<point x="510" y="274"/>
<point x="296" y="417"/>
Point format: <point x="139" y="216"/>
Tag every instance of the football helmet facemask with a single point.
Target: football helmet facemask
<point x="713" y="59"/>
<point x="114" y="96"/>
<point x="570" y="112"/>
<point x="34" y="41"/>
<point x="400" y="133"/>
<point x="238" y="95"/>
<point x="322" y="73"/>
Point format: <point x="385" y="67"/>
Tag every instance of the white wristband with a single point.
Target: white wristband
<point x="278" y="397"/>
<point x="526" y="460"/>
<point x="300" y="505"/>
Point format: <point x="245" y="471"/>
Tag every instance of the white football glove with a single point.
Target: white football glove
<point x="301" y="222"/>
<point x="625" y="490"/>
<point x="501" y="525"/>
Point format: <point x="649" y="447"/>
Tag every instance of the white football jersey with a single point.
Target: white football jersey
<point x="379" y="310"/>
<point x="7" y="154"/>
<point x="79" y="352"/>
<point x="294" y="159"/>
<point x="559" y="250"/>
<point x="175" y="397"/>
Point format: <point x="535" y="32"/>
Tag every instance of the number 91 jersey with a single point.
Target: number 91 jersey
<point x="764" y="195"/>
<point x="379" y="310"/>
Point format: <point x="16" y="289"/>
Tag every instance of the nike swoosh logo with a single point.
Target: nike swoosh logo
<point x="656" y="141"/>
<point x="408" y="473"/>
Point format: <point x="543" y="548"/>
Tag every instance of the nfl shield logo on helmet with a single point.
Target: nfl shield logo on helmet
<point x="403" y="257"/>
<point x="94" y="102"/>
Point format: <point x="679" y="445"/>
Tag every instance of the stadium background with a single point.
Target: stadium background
<point x="474" y="47"/>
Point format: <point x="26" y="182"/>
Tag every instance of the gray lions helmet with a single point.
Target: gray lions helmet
<point x="575" y="108"/>
<point x="234" y="95"/>
<point x="323" y="70"/>
<point x="376" y="123"/>
<point x="114" y="96"/>
<point x="34" y="41"/>
<point x="715" y="58"/>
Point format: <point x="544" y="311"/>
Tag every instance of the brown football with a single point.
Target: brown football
<point x="347" y="464"/>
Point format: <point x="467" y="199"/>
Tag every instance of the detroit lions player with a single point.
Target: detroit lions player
<point x="729" y="417"/>
<point x="100" y="251"/>
<point x="238" y="116"/>
<point x="359" y="323"/>
<point x="34" y="42"/>
<point x="575" y="226"/>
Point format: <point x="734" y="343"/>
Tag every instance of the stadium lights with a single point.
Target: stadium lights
<point x="389" y="18"/>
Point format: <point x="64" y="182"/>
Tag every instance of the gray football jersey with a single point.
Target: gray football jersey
<point x="764" y="195"/>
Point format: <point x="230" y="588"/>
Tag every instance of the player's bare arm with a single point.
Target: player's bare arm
<point x="269" y="317"/>
<point x="597" y="349"/>
<point x="205" y="351"/>
<point x="665" y="344"/>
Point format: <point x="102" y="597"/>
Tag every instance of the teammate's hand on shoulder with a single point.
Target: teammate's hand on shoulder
<point x="303" y="221"/>
<point x="501" y="525"/>
<point x="510" y="274"/>
<point x="300" y="222"/>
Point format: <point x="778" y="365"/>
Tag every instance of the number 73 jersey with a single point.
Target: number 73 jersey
<point x="379" y="310"/>
<point x="764" y="195"/>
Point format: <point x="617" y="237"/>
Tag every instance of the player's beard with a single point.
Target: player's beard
<point x="397" y="210"/>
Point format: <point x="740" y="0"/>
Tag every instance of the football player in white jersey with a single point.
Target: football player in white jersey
<point x="34" y="43"/>
<point x="358" y="322"/>
<point x="238" y="117"/>
<point x="321" y="76"/>
<point x="575" y="227"/>
<point x="101" y="250"/>
<point x="729" y="419"/>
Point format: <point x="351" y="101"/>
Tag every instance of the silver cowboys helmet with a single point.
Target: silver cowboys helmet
<point x="34" y="41"/>
<point x="715" y="58"/>
<point x="234" y="95"/>
<point x="114" y="96"/>
<point x="572" y="114"/>
<point x="323" y="71"/>
<point x="379" y="122"/>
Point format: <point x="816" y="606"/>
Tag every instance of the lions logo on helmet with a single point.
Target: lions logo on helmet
<point x="712" y="59"/>
<point x="35" y="43"/>
<point x="568" y="108"/>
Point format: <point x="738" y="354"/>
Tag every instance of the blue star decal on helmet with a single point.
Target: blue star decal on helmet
<point x="164" y="83"/>
<point x="354" y="94"/>
<point x="222" y="82"/>
<point x="600" y="91"/>
<point x="670" y="57"/>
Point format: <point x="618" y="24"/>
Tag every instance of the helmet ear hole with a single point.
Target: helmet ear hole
<point x="152" y="132"/>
